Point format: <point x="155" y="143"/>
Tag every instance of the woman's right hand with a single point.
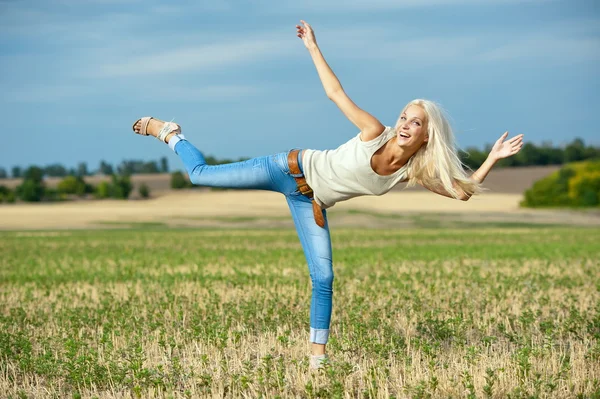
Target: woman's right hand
<point x="305" y="32"/>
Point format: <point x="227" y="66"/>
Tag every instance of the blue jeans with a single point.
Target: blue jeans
<point x="272" y="173"/>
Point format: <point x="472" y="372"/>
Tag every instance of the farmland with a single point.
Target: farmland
<point x="148" y="310"/>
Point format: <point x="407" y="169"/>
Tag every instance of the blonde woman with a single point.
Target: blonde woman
<point x="419" y="149"/>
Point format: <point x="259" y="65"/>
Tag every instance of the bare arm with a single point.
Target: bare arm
<point x="369" y="126"/>
<point x="501" y="149"/>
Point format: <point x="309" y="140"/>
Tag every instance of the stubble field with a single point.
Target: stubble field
<point x="155" y="311"/>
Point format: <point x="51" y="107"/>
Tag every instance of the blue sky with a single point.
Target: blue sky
<point x="75" y="74"/>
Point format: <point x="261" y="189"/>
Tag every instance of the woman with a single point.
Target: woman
<point x="419" y="149"/>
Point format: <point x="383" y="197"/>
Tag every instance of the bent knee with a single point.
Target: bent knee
<point x="195" y="174"/>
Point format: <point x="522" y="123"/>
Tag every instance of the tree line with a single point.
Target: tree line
<point x="33" y="188"/>
<point x="530" y="155"/>
<point x="533" y="155"/>
<point x="125" y="168"/>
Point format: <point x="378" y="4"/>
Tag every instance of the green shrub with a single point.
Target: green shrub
<point x="584" y="188"/>
<point x="10" y="197"/>
<point x="4" y="194"/>
<point x="144" y="190"/>
<point x="52" y="194"/>
<point x="121" y="186"/>
<point x="103" y="190"/>
<point x="34" y="173"/>
<point x="72" y="185"/>
<point x="179" y="181"/>
<point x="31" y="190"/>
<point x="574" y="185"/>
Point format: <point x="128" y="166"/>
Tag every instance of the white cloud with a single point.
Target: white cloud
<point x="558" y="50"/>
<point x="193" y="58"/>
<point x="45" y="93"/>
<point x="406" y="52"/>
<point x="572" y="43"/>
<point x="52" y="93"/>
<point x="341" y="6"/>
<point x="205" y="93"/>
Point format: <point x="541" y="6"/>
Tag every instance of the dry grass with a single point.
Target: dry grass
<point x="266" y="209"/>
<point x="484" y="313"/>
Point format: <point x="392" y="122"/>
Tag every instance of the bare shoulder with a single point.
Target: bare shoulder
<point x="371" y="132"/>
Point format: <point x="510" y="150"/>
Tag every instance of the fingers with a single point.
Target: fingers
<point x="304" y="31"/>
<point x="516" y="145"/>
<point x="516" y="149"/>
<point x="502" y="138"/>
<point x="516" y="138"/>
<point x="306" y="26"/>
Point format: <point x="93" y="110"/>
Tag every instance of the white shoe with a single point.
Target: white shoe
<point x="317" y="361"/>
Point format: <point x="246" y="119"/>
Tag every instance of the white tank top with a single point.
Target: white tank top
<point x="344" y="173"/>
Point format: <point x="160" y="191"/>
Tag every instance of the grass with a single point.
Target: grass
<point x="488" y="313"/>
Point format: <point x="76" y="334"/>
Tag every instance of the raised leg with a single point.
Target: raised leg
<point x="262" y="173"/>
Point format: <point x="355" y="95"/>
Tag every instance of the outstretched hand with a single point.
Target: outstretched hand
<point x="305" y="32"/>
<point x="504" y="149"/>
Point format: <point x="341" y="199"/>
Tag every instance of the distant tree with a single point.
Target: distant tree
<point x="149" y="167"/>
<point x="591" y="152"/>
<point x="472" y="157"/>
<point x="6" y="195"/>
<point x="574" y="151"/>
<point x="144" y="190"/>
<point x="16" y="172"/>
<point x="164" y="165"/>
<point x="10" y="197"/>
<point x="3" y="193"/>
<point x="130" y="167"/>
<point x="121" y="186"/>
<point x="210" y="160"/>
<point x="125" y="168"/>
<point x="3" y="174"/>
<point x="73" y="185"/>
<point x="551" y="155"/>
<point x="30" y="191"/>
<point x="531" y="155"/>
<point x="55" y="170"/>
<point x="82" y="169"/>
<point x="179" y="181"/>
<point x="103" y="190"/>
<point x="106" y="168"/>
<point x="34" y="173"/>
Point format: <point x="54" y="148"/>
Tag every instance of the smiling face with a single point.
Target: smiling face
<point x="412" y="127"/>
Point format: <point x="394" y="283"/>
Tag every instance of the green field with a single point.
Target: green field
<point x="156" y="312"/>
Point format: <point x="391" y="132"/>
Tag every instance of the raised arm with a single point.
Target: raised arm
<point x="369" y="126"/>
<point x="501" y="149"/>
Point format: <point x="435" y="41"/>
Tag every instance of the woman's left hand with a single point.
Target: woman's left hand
<point x="504" y="149"/>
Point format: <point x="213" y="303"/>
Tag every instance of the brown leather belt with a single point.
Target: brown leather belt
<point x="303" y="186"/>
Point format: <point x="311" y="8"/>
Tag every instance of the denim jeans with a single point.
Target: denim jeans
<point x="272" y="173"/>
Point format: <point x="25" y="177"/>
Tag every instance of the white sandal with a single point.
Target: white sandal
<point x="168" y="128"/>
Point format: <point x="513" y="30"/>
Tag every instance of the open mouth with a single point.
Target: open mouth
<point x="404" y="135"/>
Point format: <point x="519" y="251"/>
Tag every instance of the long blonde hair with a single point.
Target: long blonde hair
<point x="436" y="163"/>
